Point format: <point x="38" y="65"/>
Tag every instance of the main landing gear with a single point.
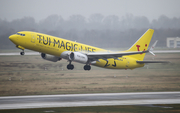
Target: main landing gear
<point x="71" y="67"/>
<point x="87" y="67"/>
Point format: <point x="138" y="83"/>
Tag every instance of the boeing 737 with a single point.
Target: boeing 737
<point x="54" y="49"/>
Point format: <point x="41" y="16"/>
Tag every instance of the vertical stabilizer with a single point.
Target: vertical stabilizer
<point x="142" y="44"/>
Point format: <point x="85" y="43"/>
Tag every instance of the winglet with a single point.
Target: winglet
<point x="152" y="47"/>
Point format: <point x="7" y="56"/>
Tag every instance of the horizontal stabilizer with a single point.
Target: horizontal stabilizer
<point x="152" y="61"/>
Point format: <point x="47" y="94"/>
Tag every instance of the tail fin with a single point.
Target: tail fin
<point x="142" y="44"/>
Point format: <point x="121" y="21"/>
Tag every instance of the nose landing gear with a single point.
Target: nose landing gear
<point x="22" y="53"/>
<point x="22" y="48"/>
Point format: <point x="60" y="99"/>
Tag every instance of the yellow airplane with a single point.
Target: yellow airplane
<point x="54" y="49"/>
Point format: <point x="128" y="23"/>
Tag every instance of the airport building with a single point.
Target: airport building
<point x="173" y="42"/>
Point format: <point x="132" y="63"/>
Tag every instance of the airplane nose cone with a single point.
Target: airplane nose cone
<point x="12" y="38"/>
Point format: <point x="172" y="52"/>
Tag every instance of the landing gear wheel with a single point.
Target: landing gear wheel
<point x="70" y="67"/>
<point x="87" y="67"/>
<point x="22" y="53"/>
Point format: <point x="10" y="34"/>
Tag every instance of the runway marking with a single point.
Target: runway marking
<point x="14" y="54"/>
<point x="89" y="103"/>
<point x="77" y="100"/>
<point x="97" y="94"/>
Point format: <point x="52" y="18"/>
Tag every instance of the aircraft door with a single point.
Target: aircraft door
<point x="33" y="37"/>
<point x="127" y="62"/>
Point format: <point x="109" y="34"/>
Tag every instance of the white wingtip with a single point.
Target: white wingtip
<point x="152" y="47"/>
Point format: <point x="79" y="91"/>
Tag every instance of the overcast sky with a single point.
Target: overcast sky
<point x="40" y="9"/>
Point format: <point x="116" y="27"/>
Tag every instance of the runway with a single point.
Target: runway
<point x="16" y="53"/>
<point x="37" y="53"/>
<point x="167" y="51"/>
<point x="75" y="100"/>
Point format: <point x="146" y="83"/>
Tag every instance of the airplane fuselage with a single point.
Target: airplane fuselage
<point x="60" y="47"/>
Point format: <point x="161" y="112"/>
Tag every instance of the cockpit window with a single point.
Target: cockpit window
<point x="21" y="34"/>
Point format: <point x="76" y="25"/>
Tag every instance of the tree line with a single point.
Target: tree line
<point x="97" y="30"/>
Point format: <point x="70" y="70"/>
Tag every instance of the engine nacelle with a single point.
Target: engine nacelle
<point x="50" y="57"/>
<point x="78" y="57"/>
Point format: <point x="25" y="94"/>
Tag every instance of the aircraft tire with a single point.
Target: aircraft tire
<point x="22" y="53"/>
<point x="70" y="67"/>
<point x="87" y="67"/>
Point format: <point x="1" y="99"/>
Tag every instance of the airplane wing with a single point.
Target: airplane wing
<point x="105" y="56"/>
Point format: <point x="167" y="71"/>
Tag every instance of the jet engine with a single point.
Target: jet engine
<point x="50" y="57"/>
<point x="78" y="57"/>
